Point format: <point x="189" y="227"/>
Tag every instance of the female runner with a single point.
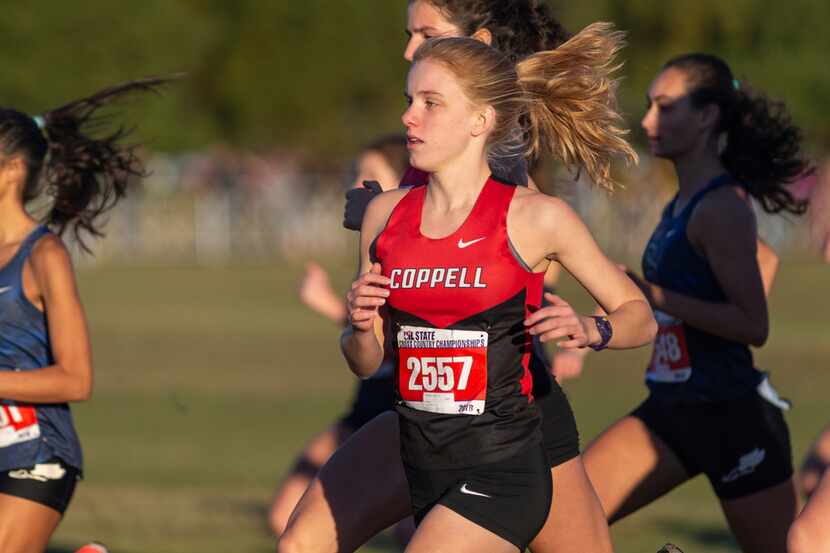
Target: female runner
<point x="383" y="161"/>
<point x="461" y="321"/>
<point x="809" y="532"/>
<point x="328" y="518"/>
<point x="709" y="410"/>
<point x="45" y="360"/>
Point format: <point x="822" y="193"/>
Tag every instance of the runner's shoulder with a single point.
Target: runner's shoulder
<point x="724" y="210"/>
<point x="380" y="208"/>
<point x="543" y="212"/>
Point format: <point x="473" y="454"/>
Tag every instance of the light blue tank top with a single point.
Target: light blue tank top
<point x="29" y="433"/>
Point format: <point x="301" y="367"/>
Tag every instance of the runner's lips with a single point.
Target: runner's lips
<point x="412" y="141"/>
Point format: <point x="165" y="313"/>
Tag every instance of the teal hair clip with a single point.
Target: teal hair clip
<point x="736" y="84"/>
<point x="39" y="121"/>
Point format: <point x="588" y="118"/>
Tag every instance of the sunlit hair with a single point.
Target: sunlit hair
<point x="763" y="146"/>
<point x="562" y="101"/>
<point x="518" y="27"/>
<point x="70" y="158"/>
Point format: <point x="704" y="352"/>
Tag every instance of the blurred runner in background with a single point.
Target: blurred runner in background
<point x="45" y="361"/>
<point x="709" y="410"/>
<point x="384" y="163"/>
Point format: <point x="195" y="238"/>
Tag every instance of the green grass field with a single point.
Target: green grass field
<point x="208" y="381"/>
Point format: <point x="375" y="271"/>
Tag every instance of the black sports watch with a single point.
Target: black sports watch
<point x="605" y="332"/>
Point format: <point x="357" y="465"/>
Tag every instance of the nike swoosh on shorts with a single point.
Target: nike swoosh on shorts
<point x="468" y="491"/>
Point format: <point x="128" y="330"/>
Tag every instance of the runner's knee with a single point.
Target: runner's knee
<point x="276" y="520"/>
<point x="290" y="542"/>
<point x="12" y="543"/>
<point x="799" y="539"/>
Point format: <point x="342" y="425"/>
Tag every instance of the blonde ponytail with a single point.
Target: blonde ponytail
<point x="571" y="102"/>
<point x="562" y="101"/>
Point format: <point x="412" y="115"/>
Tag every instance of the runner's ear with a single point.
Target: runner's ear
<point x="485" y="120"/>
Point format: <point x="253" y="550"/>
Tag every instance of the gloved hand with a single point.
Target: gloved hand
<point x="357" y="199"/>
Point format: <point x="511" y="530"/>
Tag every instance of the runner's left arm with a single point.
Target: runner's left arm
<point x="724" y="229"/>
<point x="562" y="236"/>
<point x="362" y="340"/>
<point x="70" y="377"/>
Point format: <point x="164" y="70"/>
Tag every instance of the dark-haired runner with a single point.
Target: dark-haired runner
<point x="709" y="410"/>
<point x="383" y="161"/>
<point x="45" y="361"/>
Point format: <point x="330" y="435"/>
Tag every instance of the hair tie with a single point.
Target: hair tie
<point x="39" y="121"/>
<point x="736" y="84"/>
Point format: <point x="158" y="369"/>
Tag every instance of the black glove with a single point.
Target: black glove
<point x="356" y="201"/>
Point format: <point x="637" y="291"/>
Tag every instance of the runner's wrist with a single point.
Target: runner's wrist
<point x="591" y="331"/>
<point x="362" y="334"/>
<point x="602" y="327"/>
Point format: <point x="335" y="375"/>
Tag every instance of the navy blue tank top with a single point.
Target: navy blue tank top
<point x="689" y="364"/>
<point x="29" y="433"/>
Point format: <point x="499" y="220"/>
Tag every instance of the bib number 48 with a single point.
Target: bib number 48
<point x="18" y="423"/>
<point x="667" y="349"/>
<point x="670" y="360"/>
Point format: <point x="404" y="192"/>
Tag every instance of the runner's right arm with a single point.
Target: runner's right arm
<point x="69" y="378"/>
<point x="768" y="263"/>
<point x="362" y="340"/>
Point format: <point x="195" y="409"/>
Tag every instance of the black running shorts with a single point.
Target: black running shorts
<point x="742" y="446"/>
<point x="51" y="483"/>
<point x="511" y="497"/>
<point x="373" y="397"/>
<point x="560" y="436"/>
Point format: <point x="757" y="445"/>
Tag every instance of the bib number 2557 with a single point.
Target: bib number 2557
<point x="438" y="373"/>
<point x="443" y="371"/>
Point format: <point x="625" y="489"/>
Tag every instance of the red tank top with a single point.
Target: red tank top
<point x="456" y="311"/>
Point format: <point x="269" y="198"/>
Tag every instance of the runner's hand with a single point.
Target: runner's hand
<point x="357" y="199"/>
<point x="568" y="364"/>
<point x="367" y="294"/>
<point x="557" y="321"/>
<point x="316" y="292"/>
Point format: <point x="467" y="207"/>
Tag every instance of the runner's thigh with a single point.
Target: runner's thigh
<point x="576" y="522"/>
<point x="630" y="467"/>
<point x="760" y="521"/>
<point x="25" y="526"/>
<point x="359" y="492"/>
<point x="810" y="532"/>
<point x="305" y="468"/>
<point x="444" y="530"/>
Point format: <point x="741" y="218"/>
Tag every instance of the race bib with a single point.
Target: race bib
<point x="670" y="359"/>
<point x="442" y="370"/>
<point x="18" y="423"/>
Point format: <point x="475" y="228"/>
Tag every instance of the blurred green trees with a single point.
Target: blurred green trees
<point x="322" y="76"/>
